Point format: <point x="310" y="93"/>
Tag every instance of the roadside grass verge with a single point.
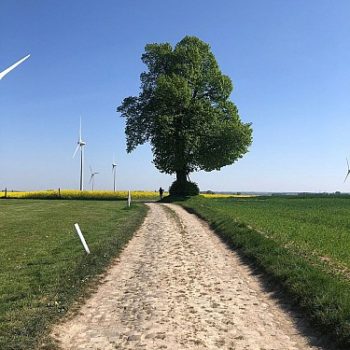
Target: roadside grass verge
<point x="285" y="244"/>
<point x="83" y="195"/>
<point x="44" y="267"/>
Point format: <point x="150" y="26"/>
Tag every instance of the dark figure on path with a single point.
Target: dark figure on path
<point x="161" y="191"/>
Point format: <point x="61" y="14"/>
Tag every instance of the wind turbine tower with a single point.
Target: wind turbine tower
<point x="92" y="178"/>
<point x="81" y="145"/>
<point x="114" y="170"/>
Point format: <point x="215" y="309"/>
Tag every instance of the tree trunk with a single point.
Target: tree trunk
<point x="181" y="176"/>
<point x="182" y="186"/>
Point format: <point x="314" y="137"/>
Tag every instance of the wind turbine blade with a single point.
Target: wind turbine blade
<point x="91" y="177"/>
<point x="90" y="170"/>
<point x="75" y="152"/>
<point x="80" y="130"/>
<point x="347" y="175"/>
<point x="9" y="69"/>
<point x="348" y="163"/>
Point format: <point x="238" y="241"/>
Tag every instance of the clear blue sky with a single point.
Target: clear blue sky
<point x="289" y="61"/>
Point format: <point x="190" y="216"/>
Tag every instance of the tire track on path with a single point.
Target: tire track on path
<point x="177" y="286"/>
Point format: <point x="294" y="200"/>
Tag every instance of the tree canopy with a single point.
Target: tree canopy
<point x="184" y="111"/>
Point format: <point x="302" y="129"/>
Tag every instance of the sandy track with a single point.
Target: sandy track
<point x="177" y="286"/>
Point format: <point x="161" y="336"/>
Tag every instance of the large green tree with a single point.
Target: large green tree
<point x="184" y="111"/>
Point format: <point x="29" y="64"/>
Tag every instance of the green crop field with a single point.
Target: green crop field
<point x="320" y="226"/>
<point x="43" y="264"/>
<point x="303" y="243"/>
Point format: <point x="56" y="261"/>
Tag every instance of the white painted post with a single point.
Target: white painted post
<point x="82" y="239"/>
<point x="129" y="199"/>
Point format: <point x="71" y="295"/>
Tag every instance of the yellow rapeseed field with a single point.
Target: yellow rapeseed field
<point x="220" y="195"/>
<point x="107" y="195"/>
<point x="75" y="194"/>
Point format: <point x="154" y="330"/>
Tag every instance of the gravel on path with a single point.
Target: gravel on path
<point x="177" y="286"/>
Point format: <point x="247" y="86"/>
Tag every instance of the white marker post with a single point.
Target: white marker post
<point x="129" y="199"/>
<point x="82" y="239"/>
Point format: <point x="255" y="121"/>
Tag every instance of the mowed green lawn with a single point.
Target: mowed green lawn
<point x="43" y="266"/>
<point x="302" y="243"/>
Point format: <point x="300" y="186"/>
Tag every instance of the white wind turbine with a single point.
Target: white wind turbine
<point x="92" y="178"/>
<point x="114" y="170"/>
<point x="9" y="69"/>
<point x="81" y="145"/>
<point x="348" y="170"/>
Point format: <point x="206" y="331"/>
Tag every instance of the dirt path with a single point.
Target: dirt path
<point x="177" y="286"/>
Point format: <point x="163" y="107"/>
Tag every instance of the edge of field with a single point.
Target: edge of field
<point x="321" y="296"/>
<point x="96" y="274"/>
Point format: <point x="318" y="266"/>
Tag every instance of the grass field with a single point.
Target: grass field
<point x="319" y="226"/>
<point x="302" y="243"/>
<point x="43" y="265"/>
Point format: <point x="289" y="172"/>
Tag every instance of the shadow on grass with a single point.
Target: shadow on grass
<point x="172" y="199"/>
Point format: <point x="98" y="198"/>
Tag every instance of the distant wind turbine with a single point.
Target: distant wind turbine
<point x="348" y="170"/>
<point x="9" y="69"/>
<point x="92" y="178"/>
<point x="114" y="170"/>
<point x="81" y="145"/>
